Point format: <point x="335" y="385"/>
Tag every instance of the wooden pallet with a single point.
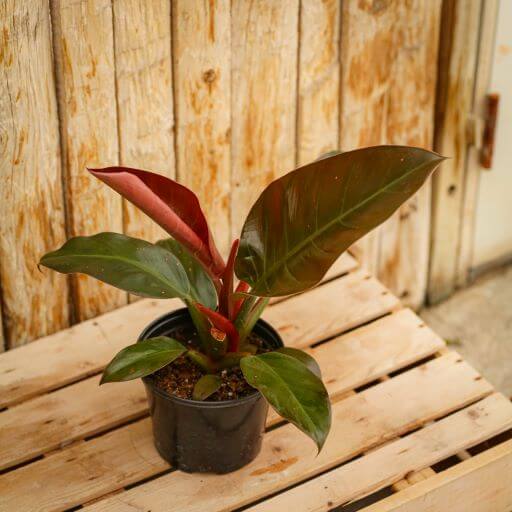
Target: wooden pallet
<point x="415" y="428"/>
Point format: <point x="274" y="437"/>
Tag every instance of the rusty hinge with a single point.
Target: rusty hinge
<point x="489" y="135"/>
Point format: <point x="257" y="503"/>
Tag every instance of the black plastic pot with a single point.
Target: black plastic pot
<point x="216" y="437"/>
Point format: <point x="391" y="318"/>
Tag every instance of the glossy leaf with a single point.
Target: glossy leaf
<point x="295" y="392"/>
<point x="169" y="204"/>
<point x="130" y="264"/>
<point x="303" y="357"/>
<point x="304" y="220"/>
<point x="206" y="386"/>
<point x="202" y="288"/>
<point x="142" y="358"/>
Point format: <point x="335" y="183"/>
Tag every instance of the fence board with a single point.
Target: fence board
<point x="143" y="65"/>
<point x="264" y="75"/>
<point x="84" y="53"/>
<point x="389" y="54"/>
<point x="457" y="68"/>
<point x="319" y="79"/>
<point x="31" y="201"/>
<point x="202" y="60"/>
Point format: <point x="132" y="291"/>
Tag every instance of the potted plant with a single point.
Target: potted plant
<point x="211" y="368"/>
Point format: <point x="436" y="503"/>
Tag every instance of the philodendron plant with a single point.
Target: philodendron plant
<point x="300" y="224"/>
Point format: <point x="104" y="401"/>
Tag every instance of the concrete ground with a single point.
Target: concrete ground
<point x="477" y="323"/>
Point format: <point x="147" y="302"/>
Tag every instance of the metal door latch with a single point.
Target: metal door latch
<point x="489" y="133"/>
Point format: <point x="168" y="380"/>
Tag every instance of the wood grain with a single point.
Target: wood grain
<point x="405" y="238"/>
<point x="143" y="65"/>
<point x="386" y="411"/>
<point x="360" y="297"/>
<point x="395" y="460"/>
<point x="79" y="473"/>
<point x="480" y="484"/>
<point x="389" y="53"/>
<point x="368" y="51"/>
<point x="264" y="85"/>
<point x="318" y="79"/>
<point x="202" y="81"/>
<point x="454" y="106"/>
<point x="75" y="353"/>
<point x="84" y="54"/>
<point x="34" y="303"/>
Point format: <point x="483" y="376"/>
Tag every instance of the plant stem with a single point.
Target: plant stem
<point x="201" y="360"/>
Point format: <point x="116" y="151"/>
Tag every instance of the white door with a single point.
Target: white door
<point x="493" y="230"/>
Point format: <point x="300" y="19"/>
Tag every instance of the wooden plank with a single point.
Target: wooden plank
<point x="264" y="74"/>
<point x="360" y="297"/>
<point x="347" y="362"/>
<point x="202" y="82"/>
<point x="318" y="79"/>
<point x="480" y="484"/>
<point x="396" y="460"/>
<point x="472" y="177"/>
<point x="405" y="238"/>
<point x="74" y="353"/>
<point x="96" y="341"/>
<point x="31" y="205"/>
<point x="143" y="66"/>
<point x="52" y="421"/>
<point x="84" y="55"/>
<point x="359" y="423"/>
<point x="454" y="105"/>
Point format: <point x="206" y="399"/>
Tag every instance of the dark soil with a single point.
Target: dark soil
<point x="180" y="377"/>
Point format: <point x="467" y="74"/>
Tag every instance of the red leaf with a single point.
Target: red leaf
<point x="223" y="324"/>
<point x="226" y="292"/>
<point x="169" y="204"/>
<point x="242" y="287"/>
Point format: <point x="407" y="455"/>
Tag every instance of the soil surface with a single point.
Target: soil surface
<point x="180" y="377"/>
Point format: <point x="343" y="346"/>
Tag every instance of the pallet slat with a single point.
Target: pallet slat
<point x="74" y="353"/>
<point x="389" y="464"/>
<point x="78" y="473"/>
<point x="311" y="317"/>
<point x="480" y="484"/>
<point x="360" y="422"/>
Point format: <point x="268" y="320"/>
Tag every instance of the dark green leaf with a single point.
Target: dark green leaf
<point x="142" y="358"/>
<point x="133" y="265"/>
<point x="303" y="357"/>
<point x="295" y="392"/>
<point x="304" y="220"/>
<point x="206" y="386"/>
<point x="328" y="154"/>
<point x="202" y="288"/>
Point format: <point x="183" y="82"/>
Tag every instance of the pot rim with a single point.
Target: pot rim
<point x="149" y="381"/>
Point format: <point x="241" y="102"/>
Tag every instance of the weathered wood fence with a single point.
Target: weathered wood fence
<point x="222" y="95"/>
